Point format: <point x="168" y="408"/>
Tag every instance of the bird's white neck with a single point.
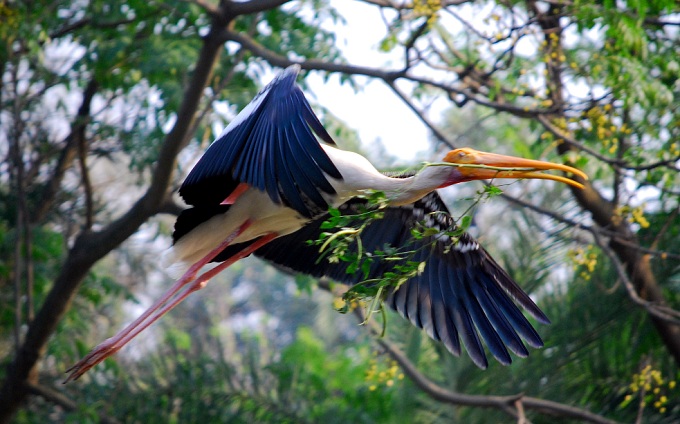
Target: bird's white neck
<point x="401" y="191"/>
<point x="360" y="175"/>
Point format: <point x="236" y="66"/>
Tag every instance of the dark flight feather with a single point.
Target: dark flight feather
<point x="271" y="145"/>
<point x="462" y="293"/>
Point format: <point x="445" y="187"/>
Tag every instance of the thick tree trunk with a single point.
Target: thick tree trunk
<point x="90" y="247"/>
<point x="637" y="264"/>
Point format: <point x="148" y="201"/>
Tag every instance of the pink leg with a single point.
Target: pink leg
<point x="160" y="307"/>
<point x="198" y="284"/>
<point x="238" y="191"/>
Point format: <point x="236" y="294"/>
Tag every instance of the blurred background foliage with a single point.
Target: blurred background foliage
<point x="90" y="91"/>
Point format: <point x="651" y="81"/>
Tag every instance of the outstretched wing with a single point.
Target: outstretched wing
<point x="461" y="294"/>
<point x="271" y="146"/>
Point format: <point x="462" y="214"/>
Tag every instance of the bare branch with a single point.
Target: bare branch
<point x="429" y="124"/>
<point x="17" y="273"/>
<point x="68" y="153"/>
<point x="521" y="416"/>
<point x="615" y="162"/>
<point x="388" y="76"/>
<point x="64" y="402"/>
<point x="85" y="178"/>
<point x="667" y="163"/>
<point x="438" y="393"/>
<point x="310" y="64"/>
<point x="605" y="232"/>
<point x="81" y="23"/>
<point x="503" y="403"/>
<point x="506" y="404"/>
<point x="227" y="10"/>
<point x="658" y="310"/>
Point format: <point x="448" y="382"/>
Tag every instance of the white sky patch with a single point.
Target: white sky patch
<point x="251" y="321"/>
<point x="62" y="54"/>
<point x="374" y="111"/>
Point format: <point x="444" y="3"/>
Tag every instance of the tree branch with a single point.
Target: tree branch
<point x="85" y="178"/>
<point x="659" y="311"/>
<point x="90" y="246"/>
<point x="388" y="76"/>
<point x="429" y="124"/>
<point x="506" y="404"/>
<point x="68" y="154"/>
<point x="599" y="230"/>
<point x="64" y="402"/>
<point x="637" y="265"/>
<point x="401" y="5"/>
<point x="309" y="64"/>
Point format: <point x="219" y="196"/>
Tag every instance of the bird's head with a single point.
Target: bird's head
<point x="470" y="164"/>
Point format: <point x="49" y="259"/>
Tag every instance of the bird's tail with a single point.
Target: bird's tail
<point x="173" y="265"/>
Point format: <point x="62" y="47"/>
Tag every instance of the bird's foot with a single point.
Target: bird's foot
<point x="105" y="349"/>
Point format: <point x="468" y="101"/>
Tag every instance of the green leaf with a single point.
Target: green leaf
<point x="465" y="222"/>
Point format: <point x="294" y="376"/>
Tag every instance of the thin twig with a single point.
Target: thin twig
<point x="601" y="231"/>
<point x="30" y="274"/>
<point x="429" y="124"/>
<point x="660" y="311"/>
<point x="521" y="416"/>
<point x="85" y="177"/>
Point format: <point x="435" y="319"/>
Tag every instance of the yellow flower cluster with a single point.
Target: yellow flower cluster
<point x="632" y="215"/>
<point x="637" y="215"/>
<point x="552" y="48"/>
<point x="427" y="8"/>
<point x="674" y="149"/>
<point x="347" y="305"/>
<point x="382" y="372"/>
<point x="584" y="259"/>
<point x="651" y="388"/>
<point x="600" y="122"/>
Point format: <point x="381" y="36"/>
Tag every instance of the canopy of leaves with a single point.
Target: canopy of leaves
<point x="98" y="99"/>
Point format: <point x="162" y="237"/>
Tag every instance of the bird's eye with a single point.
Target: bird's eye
<point x="461" y="154"/>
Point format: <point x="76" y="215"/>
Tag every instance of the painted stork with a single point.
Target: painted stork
<point x="266" y="184"/>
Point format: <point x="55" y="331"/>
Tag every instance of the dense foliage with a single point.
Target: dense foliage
<point x="105" y="104"/>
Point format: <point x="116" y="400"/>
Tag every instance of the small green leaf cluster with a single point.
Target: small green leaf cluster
<point x="343" y="244"/>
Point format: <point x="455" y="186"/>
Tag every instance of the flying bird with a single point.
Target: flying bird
<point x="265" y="187"/>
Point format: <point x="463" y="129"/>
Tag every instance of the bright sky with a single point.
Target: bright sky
<point x="375" y="112"/>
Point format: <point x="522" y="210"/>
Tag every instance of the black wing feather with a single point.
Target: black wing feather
<point x="443" y="320"/>
<point x="462" y="294"/>
<point x="256" y="149"/>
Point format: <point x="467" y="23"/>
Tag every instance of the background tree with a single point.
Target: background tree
<point x="105" y="105"/>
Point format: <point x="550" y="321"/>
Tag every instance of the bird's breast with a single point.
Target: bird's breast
<point x="255" y="206"/>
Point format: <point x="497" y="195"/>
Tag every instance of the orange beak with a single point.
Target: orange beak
<point x="476" y="165"/>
